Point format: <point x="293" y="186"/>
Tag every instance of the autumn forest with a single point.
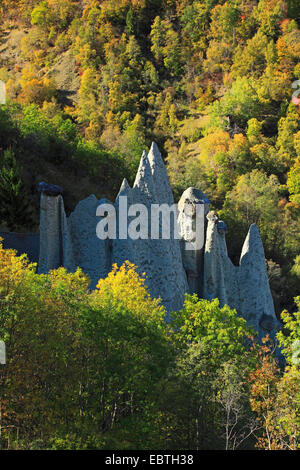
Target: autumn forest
<point x="89" y="85"/>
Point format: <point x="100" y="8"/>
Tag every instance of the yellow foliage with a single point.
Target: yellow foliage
<point x="37" y="91"/>
<point x="13" y="268"/>
<point x="125" y="288"/>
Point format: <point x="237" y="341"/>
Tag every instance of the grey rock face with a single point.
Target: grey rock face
<point x="220" y="275"/>
<point x="72" y="242"/>
<point x="245" y="287"/>
<point x="160" y="179"/>
<point x="90" y="253"/>
<point x="192" y="224"/>
<point x="256" y="302"/>
<point x="171" y="269"/>
<point x="123" y="248"/>
<point x="144" y="184"/>
<point x="55" y="241"/>
<point x="159" y="258"/>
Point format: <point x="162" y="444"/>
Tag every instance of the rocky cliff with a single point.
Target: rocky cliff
<point x="193" y="258"/>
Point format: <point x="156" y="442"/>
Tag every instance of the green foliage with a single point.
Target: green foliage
<point x="79" y="363"/>
<point x="44" y="135"/>
<point x="240" y="102"/>
<point x="211" y="82"/>
<point x="218" y="329"/>
<point x="146" y="69"/>
<point x="293" y="182"/>
<point x="103" y="370"/>
<point x="290" y="342"/>
<point x="287" y="129"/>
<point x="40" y="15"/>
<point x="296" y="267"/>
<point x="255" y="199"/>
<point x="203" y="403"/>
<point x="166" y="46"/>
<point x="269" y="14"/>
<point x="14" y="209"/>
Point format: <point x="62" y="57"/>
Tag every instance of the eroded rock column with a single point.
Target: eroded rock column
<point x="55" y="241"/>
<point x="193" y="208"/>
<point x="91" y="254"/>
<point x="256" y="301"/>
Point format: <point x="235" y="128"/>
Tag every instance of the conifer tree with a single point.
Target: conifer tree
<point x="14" y="210"/>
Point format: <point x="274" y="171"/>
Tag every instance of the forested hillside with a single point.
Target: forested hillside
<point x="91" y="83"/>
